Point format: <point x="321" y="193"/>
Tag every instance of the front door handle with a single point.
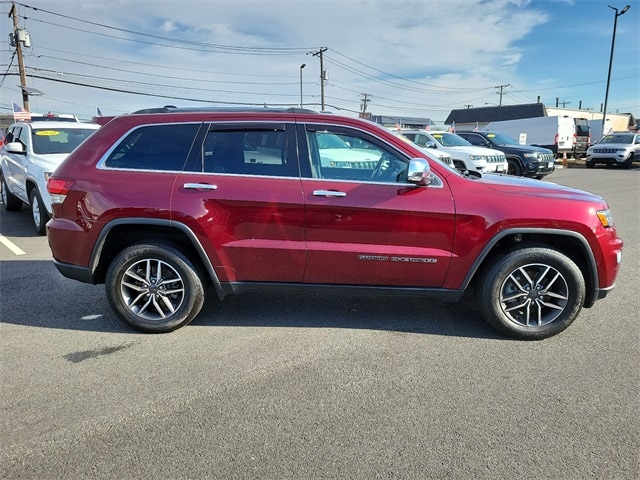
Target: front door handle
<point x="199" y="186"/>
<point x="329" y="193"/>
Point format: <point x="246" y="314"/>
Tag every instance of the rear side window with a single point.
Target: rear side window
<point x="154" y="147"/>
<point x="248" y="151"/>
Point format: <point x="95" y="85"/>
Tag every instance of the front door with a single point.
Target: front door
<point x="365" y="225"/>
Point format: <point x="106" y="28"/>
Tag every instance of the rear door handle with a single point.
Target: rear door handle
<point x="200" y="186"/>
<point x="329" y="193"/>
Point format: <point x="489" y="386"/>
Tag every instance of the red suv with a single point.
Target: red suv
<point x="160" y="206"/>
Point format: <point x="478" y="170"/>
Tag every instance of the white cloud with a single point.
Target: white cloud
<point x="411" y="57"/>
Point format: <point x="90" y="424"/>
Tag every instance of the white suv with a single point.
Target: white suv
<point x="618" y="148"/>
<point x="465" y="156"/>
<point x="29" y="155"/>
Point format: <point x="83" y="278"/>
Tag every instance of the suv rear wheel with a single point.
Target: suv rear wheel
<point x="531" y="293"/>
<point x="154" y="288"/>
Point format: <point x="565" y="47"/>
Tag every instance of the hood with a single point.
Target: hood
<point x="612" y="145"/>
<point x="49" y="162"/>
<point x="473" y="150"/>
<point x="527" y="148"/>
<point x="537" y="188"/>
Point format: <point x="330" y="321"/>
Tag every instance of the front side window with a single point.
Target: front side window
<point x="345" y="155"/>
<point x="154" y="147"/>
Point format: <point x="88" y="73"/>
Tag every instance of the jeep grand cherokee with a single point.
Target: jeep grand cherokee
<point x="160" y="206"/>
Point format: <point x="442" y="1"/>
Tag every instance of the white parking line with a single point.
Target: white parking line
<point x="11" y="246"/>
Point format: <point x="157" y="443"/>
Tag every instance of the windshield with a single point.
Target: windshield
<point x="58" y="140"/>
<point x="501" y="139"/>
<point x="450" y="140"/>
<point x="617" y="138"/>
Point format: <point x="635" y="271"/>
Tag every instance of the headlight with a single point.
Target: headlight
<point x="531" y="155"/>
<point x="605" y="218"/>
<point x="477" y="157"/>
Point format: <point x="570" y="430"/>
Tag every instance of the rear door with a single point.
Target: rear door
<point x="242" y="196"/>
<point x="365" y="225"/>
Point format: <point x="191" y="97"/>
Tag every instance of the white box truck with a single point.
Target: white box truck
<point x="557" y="133"/>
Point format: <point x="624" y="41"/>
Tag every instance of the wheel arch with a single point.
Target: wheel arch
<point x="571" y="244"/>
<point x="121" y="233"/>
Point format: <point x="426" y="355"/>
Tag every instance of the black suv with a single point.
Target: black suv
<point x="524" y="160"/>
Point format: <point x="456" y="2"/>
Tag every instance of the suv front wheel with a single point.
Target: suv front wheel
<point x="154" y="288"/>
<point x="38" y="212"/>
<point x="531" y="293"/>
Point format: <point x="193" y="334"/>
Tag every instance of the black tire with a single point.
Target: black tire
<point x="531" y="293"/>
<point x="140" y="300"/>
<point x="514" y="168"/>
<point x="628" y="163"/>
<point x="589" y="164"/>
<point x="459" y="165"/>
<point x="9" y="200"/>
<point x="39" y="212"/>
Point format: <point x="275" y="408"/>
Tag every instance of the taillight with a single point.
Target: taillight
<point x="556" y="139"/>
<point x="58" y="188"/>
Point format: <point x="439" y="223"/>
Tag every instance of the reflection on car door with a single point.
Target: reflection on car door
<point x="243" y="194"/>
<point x="368" y="231"/>
<point x="15" y="163"/>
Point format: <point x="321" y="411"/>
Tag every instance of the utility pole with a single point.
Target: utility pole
<point x="23" y="76"/>
<point x="501" y="87"/>
<point x="365" y="101"/>
<point x="323" y="74"/>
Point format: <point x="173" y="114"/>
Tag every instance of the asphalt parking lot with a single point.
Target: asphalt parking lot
<point x="274" y="386"/>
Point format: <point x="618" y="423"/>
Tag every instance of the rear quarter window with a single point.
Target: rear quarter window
<point x="154" y="147"/>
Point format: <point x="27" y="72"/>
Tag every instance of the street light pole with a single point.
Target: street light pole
<point x="613" y="42"/>
<point x="301" y="67"/>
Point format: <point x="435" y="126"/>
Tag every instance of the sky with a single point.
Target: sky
<point x="398" y="58"/>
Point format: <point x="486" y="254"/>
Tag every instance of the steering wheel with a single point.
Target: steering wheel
<point x="385" y="167"/>
<point x="377" y="172"/>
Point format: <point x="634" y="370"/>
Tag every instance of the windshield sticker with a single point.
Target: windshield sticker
<point x="47" y="133"/>
<point x="491" y="135"/>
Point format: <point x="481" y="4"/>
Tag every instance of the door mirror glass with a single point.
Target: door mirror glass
<point x="419" y="172"/>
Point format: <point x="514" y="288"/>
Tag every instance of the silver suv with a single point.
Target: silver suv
<point x="618" y="148"/>
<point x="29" y="155"/>
<point x="465" y="156"/>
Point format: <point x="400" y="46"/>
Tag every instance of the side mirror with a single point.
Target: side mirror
<point x="430" y="145"/>
<point x="15" y="147"/>
<point x="419" y="172"/>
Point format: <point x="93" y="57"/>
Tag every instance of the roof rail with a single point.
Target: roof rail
<point x="173" y="109"/>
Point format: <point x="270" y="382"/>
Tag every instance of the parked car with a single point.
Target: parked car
<point x="444" y="157"/>
<point x="523" y="160"/>
<point x="30" y="154"/>
<point x="465" y="156"/>
<point x="619" y="148"/>
<point x="160" y="206"/>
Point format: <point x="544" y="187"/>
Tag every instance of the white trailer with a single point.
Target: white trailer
<point x="556" y="133"/>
